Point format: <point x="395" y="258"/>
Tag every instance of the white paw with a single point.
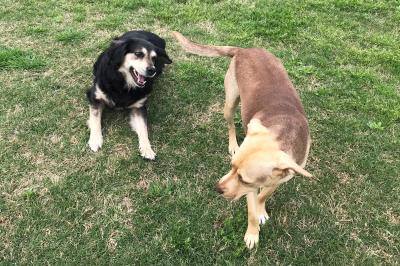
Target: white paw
<point x="251" y="240"/>
<point x="147" y="152"/>
<point x="233" y="149"/>
<point x="95" y="142"/>
<point x="263" y="217"/>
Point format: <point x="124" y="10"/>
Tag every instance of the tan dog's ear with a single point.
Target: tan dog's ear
<point x="285" y="162"/>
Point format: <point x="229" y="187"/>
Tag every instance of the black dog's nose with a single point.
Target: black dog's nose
<point x="219" y="189"/>
<point x="151" y="71"/>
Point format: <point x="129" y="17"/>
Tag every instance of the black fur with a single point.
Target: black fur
<point x="112" y="82"/>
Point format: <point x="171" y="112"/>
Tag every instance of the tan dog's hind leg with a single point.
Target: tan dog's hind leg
<point x="262" y="197"/>
<point x="231" y="102"/>
<point x="252" y="233"/>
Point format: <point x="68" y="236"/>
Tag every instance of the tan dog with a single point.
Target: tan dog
<point x="277" y="140"/>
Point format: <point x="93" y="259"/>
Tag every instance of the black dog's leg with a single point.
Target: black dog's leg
<point x="94" y="121"/>
<point x="138" y="122"/>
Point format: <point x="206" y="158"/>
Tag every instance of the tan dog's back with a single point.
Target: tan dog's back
<point x="267" y="94"/>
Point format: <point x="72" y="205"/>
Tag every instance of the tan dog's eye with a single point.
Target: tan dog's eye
<point x="139" y="54"/>
<point x="241" y="180"/>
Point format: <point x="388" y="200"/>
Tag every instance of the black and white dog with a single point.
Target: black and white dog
<point x="123" y="79"/>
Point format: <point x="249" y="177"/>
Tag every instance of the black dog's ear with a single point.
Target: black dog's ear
<point x="117" y="52"/>
<point x="163" y="56"/>
<point x="117" y="41"/>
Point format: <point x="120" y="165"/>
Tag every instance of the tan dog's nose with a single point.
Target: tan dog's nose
<point x="219" y="188"/>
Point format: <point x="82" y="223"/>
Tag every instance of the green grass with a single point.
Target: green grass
<point x="61" y="203"/>
<point x="70" y="36"/>
<point x="14" y="58"/>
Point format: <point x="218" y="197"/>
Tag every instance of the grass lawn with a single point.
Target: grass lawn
<point x="60" y="203"/>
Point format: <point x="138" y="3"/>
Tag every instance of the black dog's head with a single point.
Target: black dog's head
<point x="137" y="60"/>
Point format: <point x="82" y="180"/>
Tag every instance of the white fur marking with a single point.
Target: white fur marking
<point x="100" y="95"/>
<point x="124" y="69"/>
<point x="263" y="218"/>
<point x="138" y="104"/>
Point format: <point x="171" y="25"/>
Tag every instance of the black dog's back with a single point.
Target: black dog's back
<point x="146" y="35"/>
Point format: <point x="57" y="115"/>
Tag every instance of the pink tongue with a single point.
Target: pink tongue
<point x="140" y="78"/>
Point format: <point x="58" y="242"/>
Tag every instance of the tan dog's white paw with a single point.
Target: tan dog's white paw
<point x="251" y="240"/>
<point x="147" y="152"/>
<point x="263" y="216"/>
<point x="95" y="142"/>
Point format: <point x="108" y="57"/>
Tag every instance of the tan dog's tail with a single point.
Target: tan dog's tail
<point x="202" y="49"/>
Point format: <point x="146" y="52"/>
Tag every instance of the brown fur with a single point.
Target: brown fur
<point x="277" y="135"/>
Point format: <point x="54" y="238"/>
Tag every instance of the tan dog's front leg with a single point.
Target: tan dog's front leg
<point x="265" y="193"/>
<point x="252" y="233"/>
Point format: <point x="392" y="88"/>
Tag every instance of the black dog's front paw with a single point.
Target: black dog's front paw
<point x="147" y="153"/>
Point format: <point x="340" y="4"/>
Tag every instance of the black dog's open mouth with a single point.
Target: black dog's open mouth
<point x="140" y="80"/>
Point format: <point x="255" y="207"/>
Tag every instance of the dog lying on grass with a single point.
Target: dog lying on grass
<point x="123" y="79"/>
<point x="277" y="138"/>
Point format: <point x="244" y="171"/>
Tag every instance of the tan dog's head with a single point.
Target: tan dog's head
<point x="259" y="162"/>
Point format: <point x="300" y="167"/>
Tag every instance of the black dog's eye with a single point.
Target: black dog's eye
<point x="139" y="54"/>
<point x="241" y="180"/>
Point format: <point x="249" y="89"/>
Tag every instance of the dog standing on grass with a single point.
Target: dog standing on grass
<point x="123" y="79"/>
<point x="277" y="138"/>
